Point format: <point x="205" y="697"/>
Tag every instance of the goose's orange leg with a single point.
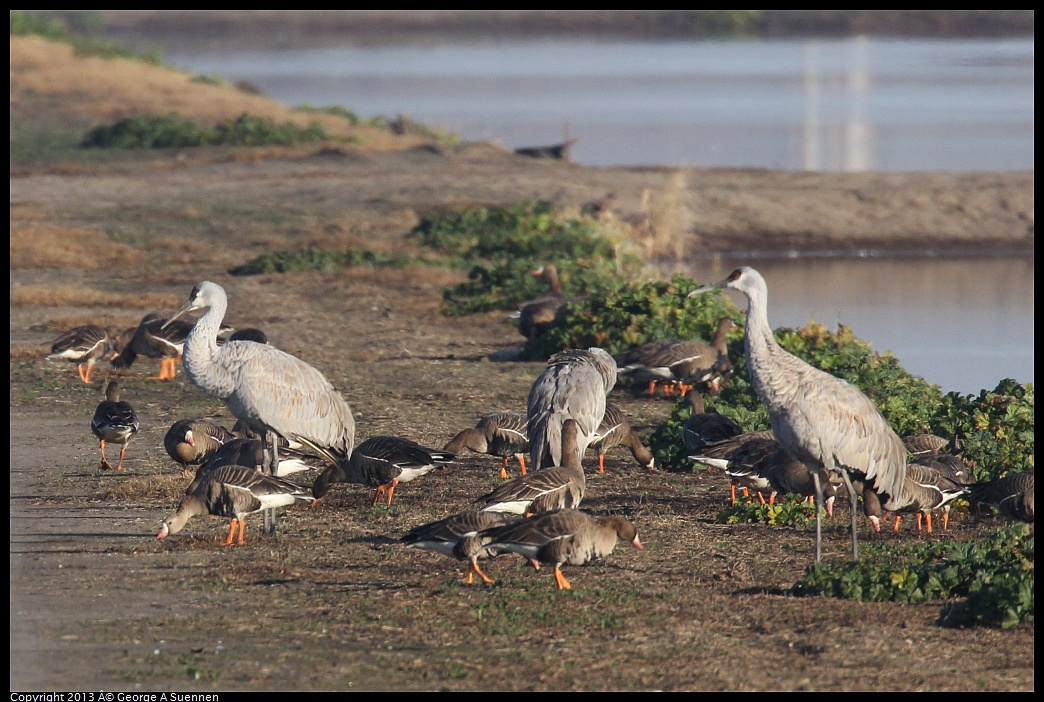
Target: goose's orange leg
<point x="503" y="471"/>
<point x="601" y="463"/>
<point x="473" y="569"/>
<point x="104" y="465"/>
<point x="560" y="579"/>
<point x="522" y="463"/>
<point x="231" y="533"/>
<point x="119" y="464"/>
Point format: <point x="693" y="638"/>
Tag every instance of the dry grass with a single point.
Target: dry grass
<point x="72" y="296"/>
<point x="157" y="489"/>
<point x="52" y="246"/>
<point x="666" y="229"/>
<point x="125" y="87"/>
<point x="27" y="353"/>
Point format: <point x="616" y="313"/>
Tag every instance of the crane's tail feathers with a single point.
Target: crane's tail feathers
<point x="332" y="455"/>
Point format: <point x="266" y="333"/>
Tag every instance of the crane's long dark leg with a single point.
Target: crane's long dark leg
<point x="819" y="516"/>
<point x="269" y="526"/>
<point x="855" y="516"/>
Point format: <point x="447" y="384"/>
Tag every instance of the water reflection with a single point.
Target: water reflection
<point x="963" y="323"/>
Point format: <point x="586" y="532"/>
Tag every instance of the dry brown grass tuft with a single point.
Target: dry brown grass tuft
<point x="666" y="229"/>
<point x="49" y="246"/>
<point x="72" y="296"/>
<point x="161" y="489"/>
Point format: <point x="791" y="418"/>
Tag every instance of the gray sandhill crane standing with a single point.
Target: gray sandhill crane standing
<point x="573" y="386"/>
<point x="269" y="391"/>
<point x="824" y="421"/>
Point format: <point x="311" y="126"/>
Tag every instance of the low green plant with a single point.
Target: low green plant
<point x="507" y="243"/>
<point x="75" y="28"/>
<point x="994" y="574"/>
<point x="313" y="259"/>
<point x="173" y="131"/>
<point x="790" y="511"/>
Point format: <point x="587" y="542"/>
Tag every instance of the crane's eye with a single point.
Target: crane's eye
<point x="735" y="274"/>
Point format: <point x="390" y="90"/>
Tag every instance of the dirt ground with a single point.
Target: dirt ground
<point x="333" y="602"/>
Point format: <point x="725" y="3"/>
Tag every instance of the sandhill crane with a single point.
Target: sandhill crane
<point x="269" y="391"/>
<point x="573" y="386"/>
<point x="823" y="420"/>
<point x="84" y="345"/>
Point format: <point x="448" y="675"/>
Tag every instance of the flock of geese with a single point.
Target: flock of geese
<point x="826" y="436"/>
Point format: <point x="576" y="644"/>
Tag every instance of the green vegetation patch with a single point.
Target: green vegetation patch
<point x="75" y="28"/>
<point x="313" y="259"/>
<point x="508" y="243"/>
<point x="173" y="131"/>
<point x="790" y="511"/>
<point x="994" y="575"/>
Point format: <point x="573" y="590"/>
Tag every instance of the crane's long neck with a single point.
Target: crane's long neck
<point x="201" y="354"/>
<point x="765" y="357"/>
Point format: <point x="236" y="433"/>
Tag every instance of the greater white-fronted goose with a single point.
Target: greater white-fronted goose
<point x="444" y="535"/>
<point x="502" y="434"/>
<point x="191" y="442"/>
<point x="560" y="536"/>
<point x="573" y="386"/>
<point x="925" y="491"/>
<point x="923" y="444"/>
<point x="383" y="462"/>
<point x="1012" y="495"/>
<point x="680" y="365"/>
<point x="535" y="316"/>
<point x="702" y="428"/>
<point x="615" y="431"/>
<point x="250" y="453"/>
<point x="156" y="337"/>
<point x="556" y="487"/>
<point x="114" y="422"/>
<point x="764" y="465"/>
<point x="84" y="345"/>
<point x="233" y="492"/>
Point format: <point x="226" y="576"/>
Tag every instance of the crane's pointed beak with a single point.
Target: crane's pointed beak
<point x="708" y="288"/>
<point x="188" y="306"/>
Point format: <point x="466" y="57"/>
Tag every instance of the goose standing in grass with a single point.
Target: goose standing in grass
<point x="269" y="391"/>
<point x="233" y="492"/>
<point x="926" y="490"/>
<point x="383" y="462"/>
<point x="250" y="453"/>
<point x="444" y="535"/>
<point x="574" y="386"/>
<point x="156" y="337"/>
<point x="559" y="537"/>
<point x="535" y="316"/>
<point x="556" y="487"/>
<point x="114" y="422"/>
<point x="85" y="346"/>
<point x="680" y="364"/>
<point x="615" y="431"/>
<point x="1012" y="495"/>
<point x="824" y="421"/>
<point x="923" y="444"/>
<point x="502" y="434"/>
<point x="191" y="442"/>
<point x="764" y="465"/>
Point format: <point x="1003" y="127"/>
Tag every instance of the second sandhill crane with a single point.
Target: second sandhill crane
<point x="824" y="421"/>
<point x="573" y="386"/>
<point x="271" y="392"/>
